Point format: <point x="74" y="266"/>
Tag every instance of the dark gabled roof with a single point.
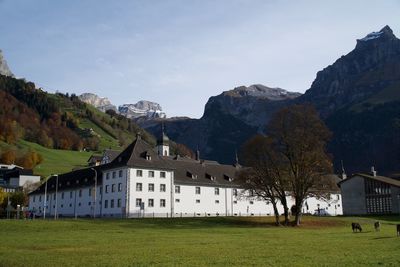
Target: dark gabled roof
<point x="111" y="154"/>
<point x="194" y="172"/>
<point x="95" y="158"/>
<point x="139" y="154"/>
<point x="383" y="179"/>
<point x="68" y="181"/>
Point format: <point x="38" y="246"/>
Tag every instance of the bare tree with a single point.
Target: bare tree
<point x="300" y="137"/>
<point x="261" y="175"/>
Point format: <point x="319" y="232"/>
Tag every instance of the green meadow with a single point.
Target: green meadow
<point x="229" y="241"/>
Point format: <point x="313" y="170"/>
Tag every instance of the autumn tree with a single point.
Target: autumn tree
<point x="8" y="157"/>
<point x="300" y="137"/>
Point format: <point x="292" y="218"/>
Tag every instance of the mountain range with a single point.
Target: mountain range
<point x="143" y="109"/>
<point x="358" y="96"/>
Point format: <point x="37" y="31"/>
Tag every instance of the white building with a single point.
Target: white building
<point x="143" y="181"/>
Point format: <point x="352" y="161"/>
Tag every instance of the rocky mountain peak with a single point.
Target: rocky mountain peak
<point x="102" y="103"/>
<point x="384" y="35"/>
<point x="371" y="67"/>
<point x="261" y="91"/>
<point x="4" y="69"/>
<point x="143" y="108"/>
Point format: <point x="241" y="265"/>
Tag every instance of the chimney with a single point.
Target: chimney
<point x="197" y="154"/>
<point x="373" y="172"/>
<point x="344" y="175"/>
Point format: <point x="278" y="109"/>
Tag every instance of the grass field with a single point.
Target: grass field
<point x="198" y="242"/>
<point x="56" y="160"/>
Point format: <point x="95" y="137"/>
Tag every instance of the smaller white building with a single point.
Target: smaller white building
<point x="14" y="177"/>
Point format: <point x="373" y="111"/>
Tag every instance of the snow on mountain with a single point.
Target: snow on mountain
<point x="142" y="108"/>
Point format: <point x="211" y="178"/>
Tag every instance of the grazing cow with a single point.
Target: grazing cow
<point x="398" y="230"/>
<point x="356" y="226"/>
<point x="377" y="226"/>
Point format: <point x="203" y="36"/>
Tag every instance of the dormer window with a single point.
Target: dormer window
<point x="209" y="176"/>
<point x="191" y="175"/>
<point x="228" y="178"/>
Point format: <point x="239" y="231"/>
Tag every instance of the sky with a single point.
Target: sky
<point x="179" y="53"/>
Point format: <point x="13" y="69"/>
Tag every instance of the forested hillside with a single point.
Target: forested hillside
<point x="55" y="121"/>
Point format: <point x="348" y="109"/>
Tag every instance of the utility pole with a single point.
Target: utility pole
<point x="45" y="198"/>
<point x="95" y="195"/>
<point x="55" y="210"/>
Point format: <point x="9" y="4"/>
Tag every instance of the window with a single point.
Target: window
<point x="80" y="192"/>
<point x="235" y="192"/>
<point x="177" y="189"/>
<point x="79" y="204"/>
<point x="70" y="194"/>
<point x="62" y="206"/>
<point x="112" y="203"/>
<point x="114" y="175"/>
<point x="107" y="176"/>
<point x="107" y="188"/>
<point x="162" y="174"/>
<point x="34" y="198"/>
<point x="177" y="200"/>
<point x="150" y="203"/>
<point x="89" y="203"/>
<point x="139" y="187"/>
<point x="47" y="198"/>
<point x="90" y="192"/>
<point x="162" y="203"/>
<point x="120" y="173"/>
<point x="54" y="197"/>
<point x="151" y="173"/>
<point x="62" y="195"/>
<point x="101" y="190"/>
<point x="70" y="205"/>
<point x="40" y="198"/>
<point x="234" y="202"/>
<point x="198" y="190"/>
<point x="151" y="187"/>
<point x="216" y="201"/>
<point x="216" y="191"/>
<point x="119" y="187"/>
<point x="251" y="202"/>
<point x="197" y="200"/>
<point x="119" y="203"/>
<point x="139" y="173"/>
<point x="138" y="202"/>
<point x="113" y="188"/>
<point x="162" y="188"/>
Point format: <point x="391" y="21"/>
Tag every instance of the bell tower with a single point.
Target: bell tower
<point x="163" y="143"/>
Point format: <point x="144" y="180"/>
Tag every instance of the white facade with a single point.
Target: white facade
<point x="23" y="179"/>
<point x="166" y="187"/>
<point x="123" y="190"/>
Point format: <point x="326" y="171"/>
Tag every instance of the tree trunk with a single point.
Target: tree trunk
<point x="276" y="212"/>
<point x="285" y="210"/>
<point x="298" y="218"/>
<point x="299" y="204"/>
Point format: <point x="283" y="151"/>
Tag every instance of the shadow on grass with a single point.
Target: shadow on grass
<point x="383" y="237"/>
<point x="193" y="223"/>
<point x="216" y="222"/>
